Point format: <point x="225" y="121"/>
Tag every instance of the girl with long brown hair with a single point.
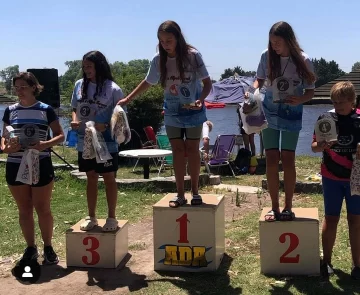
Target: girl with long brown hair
<point x="180" y="70"/>
<point x="287" y="72"/>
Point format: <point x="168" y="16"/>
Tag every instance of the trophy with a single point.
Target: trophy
<point x="325" y="129"/>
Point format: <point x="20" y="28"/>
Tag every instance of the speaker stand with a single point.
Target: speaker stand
<point x="62" y="159"/>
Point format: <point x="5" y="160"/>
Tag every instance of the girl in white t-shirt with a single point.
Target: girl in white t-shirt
<point x="94" y="99"/>
<point x="180" y="69"/>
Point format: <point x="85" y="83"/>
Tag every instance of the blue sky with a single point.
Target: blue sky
<point x="39" y="33"/>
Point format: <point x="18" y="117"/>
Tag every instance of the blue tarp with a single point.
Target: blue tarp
<point x="229" y="90"/>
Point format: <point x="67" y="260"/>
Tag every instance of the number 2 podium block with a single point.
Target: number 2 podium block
<point x="190" y="238"/>
<point x="290" y="247"/>
<point x="96" y="248"/>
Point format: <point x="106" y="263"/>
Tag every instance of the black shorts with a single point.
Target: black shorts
<point x="46" y="170"/>
<point x="86" y="165"/>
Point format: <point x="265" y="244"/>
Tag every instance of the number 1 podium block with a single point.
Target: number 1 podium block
<point x="190" y="238"/>
<point x="96" y="248"/>
<point x="290" y="247"/>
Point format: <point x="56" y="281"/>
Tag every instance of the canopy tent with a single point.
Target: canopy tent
<point x="229" y="90"/>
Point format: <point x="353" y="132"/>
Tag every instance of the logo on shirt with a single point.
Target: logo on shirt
<point x="185" y="91"/>
<point x="173" y="90"/>
<point x="85" y="111"/>
<point x="345" y="140"/>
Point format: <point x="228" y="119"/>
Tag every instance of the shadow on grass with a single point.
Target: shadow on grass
<point x="48" y="273"/>
<point x="319" y="285"/>
<point x="217" y="282"/>
<point x="112" y="279"/>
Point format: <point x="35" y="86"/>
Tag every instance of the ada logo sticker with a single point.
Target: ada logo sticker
<point x="193" y="257"/>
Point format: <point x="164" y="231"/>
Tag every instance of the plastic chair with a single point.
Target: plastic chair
<point x="164" y="143"/>
<point x="221" y="152"/>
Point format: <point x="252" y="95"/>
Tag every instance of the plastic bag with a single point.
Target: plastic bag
<point x="355" y="175"/>
<point x="120" y="126"/>
<point x="29" y="170"/>
<point x="95" y="144"/>
<point x="254" y="121"/>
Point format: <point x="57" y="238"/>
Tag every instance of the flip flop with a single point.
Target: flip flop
<point x="178" y="201"/>
<point x="287" y="215"/>
<point x="196" y="200"/>
<point x="272" y="216"/>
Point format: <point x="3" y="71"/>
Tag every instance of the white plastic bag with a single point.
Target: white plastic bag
<point x="95" y="144"/>
<point x="29" y="170"/>
<point x="254" y="121"/>
<point x="120" y="126"/>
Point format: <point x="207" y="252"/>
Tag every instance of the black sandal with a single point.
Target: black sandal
<point x="272" y="216"/>
<point x="178" y="201"/>
<point x="196" y="200"/>
<point x="287" y="215"/>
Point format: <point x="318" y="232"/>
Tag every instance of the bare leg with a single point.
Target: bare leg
<point x="92" y="191"/>
<point x="22" y="196"/>
<point x="328" y="236"/>
<point x="252" y="144"/>
<point x="288" y="163"/>
<point x="178" y="150"/>
<point x="272" y="175"/>
<point x="41" y="197"/>
<point x="192" y="150"/>
<point x="111" y="192"/>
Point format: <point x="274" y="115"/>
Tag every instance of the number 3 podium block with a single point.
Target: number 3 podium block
<point x="96" y="248"/>
<point x="190" y="238"/>
<point x="290" y="247"/>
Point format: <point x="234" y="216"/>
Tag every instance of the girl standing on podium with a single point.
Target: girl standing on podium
<point x="32" y="120"/>
<point x="286" y="71"/>
<point x="336" y="170"/>
<point x="94" y="99"/>
<point x="180" y="69"/>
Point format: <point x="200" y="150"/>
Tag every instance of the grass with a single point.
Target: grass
<point x="305" y="167"/>
<point x="68" y="207"/>
<point x="239" y="272"/>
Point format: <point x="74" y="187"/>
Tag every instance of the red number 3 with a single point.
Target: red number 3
<point x="95" y="257"/>
<point x="294" y="242"/>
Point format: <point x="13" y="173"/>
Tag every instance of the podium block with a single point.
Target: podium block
<point x="290" y="247"/>
<point x="96" y="248"/>
<point x="189" y="238"/>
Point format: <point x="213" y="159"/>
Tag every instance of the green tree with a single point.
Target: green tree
<point x="231" y="72"/>
<point x="143" y="111"/>
<point x="67" y="81"/>
<point x="146" y="109"/>
<point x="356" y="66"/>
<point x="7" y="75"/>
<point x="326" y="71"/>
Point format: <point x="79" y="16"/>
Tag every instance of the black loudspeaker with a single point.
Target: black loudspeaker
<point x="50" y="80"/>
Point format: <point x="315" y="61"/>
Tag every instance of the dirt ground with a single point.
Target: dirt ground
<point x="131" y="275"/>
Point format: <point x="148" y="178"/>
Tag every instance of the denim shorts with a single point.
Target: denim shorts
<point x="334" y="193"/>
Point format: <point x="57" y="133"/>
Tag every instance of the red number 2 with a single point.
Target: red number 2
<point x="95" y="257"/>
<point x="294" y="242"/>
<point x="183" y="228"/>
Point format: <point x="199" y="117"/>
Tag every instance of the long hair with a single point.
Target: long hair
<point x="284" y="30"/>
<point x="182" y="50"/>
<point x="31" y="80"/>
<point x="102" y="69"/>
